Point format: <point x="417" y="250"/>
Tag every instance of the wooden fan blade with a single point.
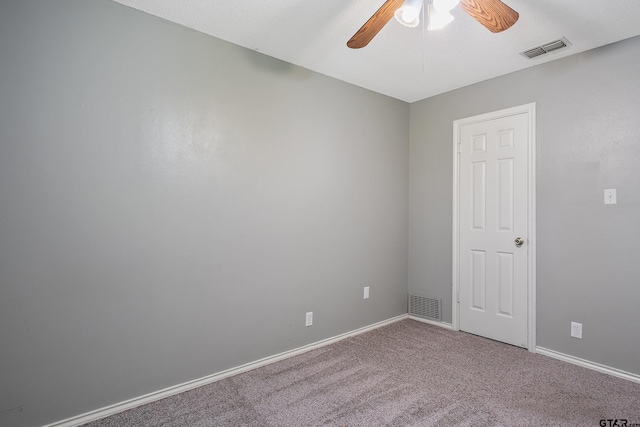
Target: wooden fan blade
<point x="493" y="14"/>
<point x="373" y="26"/>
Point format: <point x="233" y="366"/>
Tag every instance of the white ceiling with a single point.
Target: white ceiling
<point x="401" y="62"/>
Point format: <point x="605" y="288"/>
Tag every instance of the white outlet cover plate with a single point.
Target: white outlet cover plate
<point x="576" y="330"/>
<point x="309" y="319"/>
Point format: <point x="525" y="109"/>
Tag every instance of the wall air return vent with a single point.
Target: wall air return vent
<point x="546" y="48"/>
<point x="429" y="308"/>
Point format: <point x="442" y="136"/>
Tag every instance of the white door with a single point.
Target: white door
<point x="492" y="215"/>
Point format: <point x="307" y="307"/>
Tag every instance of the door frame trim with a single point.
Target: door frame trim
<point x="530" y="110"/>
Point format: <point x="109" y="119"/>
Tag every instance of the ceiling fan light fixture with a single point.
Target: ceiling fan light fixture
<point x="438" y="18"/>
<point x="409" y="13"/>
<point x="494" y="15"/>
<point x="445" y="5"/>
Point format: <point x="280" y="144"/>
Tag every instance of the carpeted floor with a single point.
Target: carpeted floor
<point x="405" y="374"/>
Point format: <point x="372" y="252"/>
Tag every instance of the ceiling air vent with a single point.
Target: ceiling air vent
<point x="546" y="48"/>
<point x="532" y="53"/>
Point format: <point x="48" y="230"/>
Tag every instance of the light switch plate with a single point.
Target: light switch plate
<point x="610" y="197"/>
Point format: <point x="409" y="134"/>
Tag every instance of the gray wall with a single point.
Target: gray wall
<point x="588" y="139"/>
<point x="171" y="205"/>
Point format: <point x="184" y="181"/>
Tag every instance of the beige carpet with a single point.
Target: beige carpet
<point x="405" y="374"/>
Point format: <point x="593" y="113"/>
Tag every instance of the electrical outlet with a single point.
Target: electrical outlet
<point x="576" y="330"/>
<point x="309" y="319"/>
<point x="366" y="293"/>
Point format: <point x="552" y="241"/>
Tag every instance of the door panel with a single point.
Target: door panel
<point x="478" y="280"/>
<point x="479" y="194"/>
<point x="505" y="194"/>
<point x="505" y="284"/>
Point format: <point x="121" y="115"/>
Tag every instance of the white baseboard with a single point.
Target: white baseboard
<point x="432" y="322"/>
<point x="588" y="364"/>
<point x="181" y="388"/>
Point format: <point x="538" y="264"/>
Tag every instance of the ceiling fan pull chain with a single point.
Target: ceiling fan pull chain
<point x="424" y="33"/>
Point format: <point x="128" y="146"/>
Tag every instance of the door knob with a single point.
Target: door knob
<point x="519" y="241"/>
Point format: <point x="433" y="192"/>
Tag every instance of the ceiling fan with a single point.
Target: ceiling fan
<point x="493" y="14"/>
